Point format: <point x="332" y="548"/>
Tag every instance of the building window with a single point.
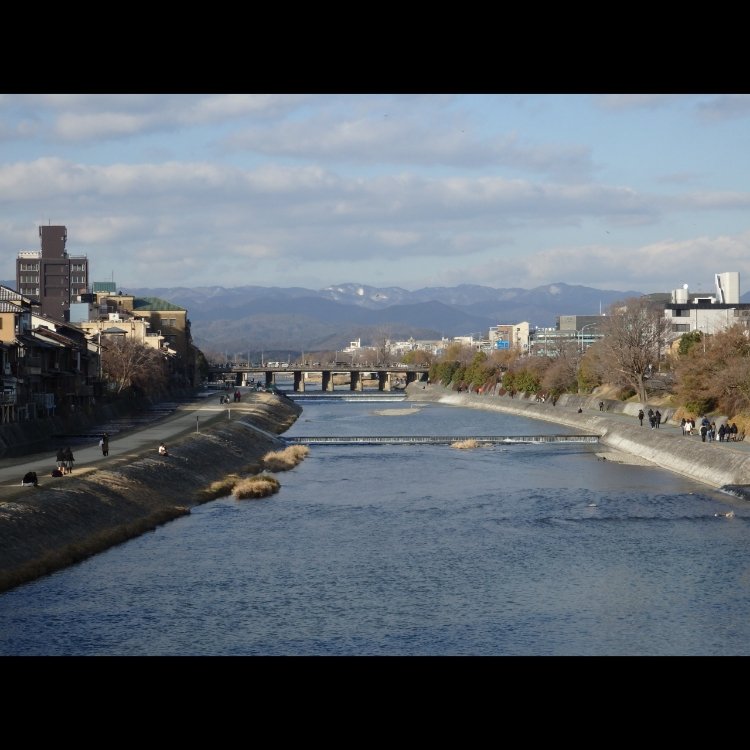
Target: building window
<point x="681" y="328"/>
<point x="680" y="313"/>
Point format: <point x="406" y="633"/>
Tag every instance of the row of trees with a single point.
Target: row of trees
<point x="702" y="373"/>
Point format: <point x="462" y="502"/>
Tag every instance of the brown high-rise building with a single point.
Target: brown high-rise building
<point x="51" y="277"/>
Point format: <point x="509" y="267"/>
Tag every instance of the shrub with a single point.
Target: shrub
<point x="220" y="488"/>
<point x="255" y="487"/>
<point x="286" y="459"/>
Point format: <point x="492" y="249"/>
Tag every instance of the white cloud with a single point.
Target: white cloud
<point x="395" y="190"/>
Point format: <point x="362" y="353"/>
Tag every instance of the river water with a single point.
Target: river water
<point x="511" y="549"/>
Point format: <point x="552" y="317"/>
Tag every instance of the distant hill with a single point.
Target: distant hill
<point x="294" y="319"/>
<point x="281" y="320"/>
<point x="288" y="320"/>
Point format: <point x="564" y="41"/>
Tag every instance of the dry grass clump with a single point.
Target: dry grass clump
<point x="465" y="444"/>
<point x="220" y="488"/>
<point x="261" y="485"/>
<point x="286" y="459"/>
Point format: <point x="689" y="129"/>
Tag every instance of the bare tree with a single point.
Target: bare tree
<point x="633" y="339"/>
<point x="382" y="343"/>
<point x="126" y="363"/>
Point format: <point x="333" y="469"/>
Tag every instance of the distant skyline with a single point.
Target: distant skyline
<point x="620" y="191"/>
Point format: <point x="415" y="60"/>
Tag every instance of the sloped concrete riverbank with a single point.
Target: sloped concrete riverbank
<point x="65" y="520"/>
<point x="719" y="465"/>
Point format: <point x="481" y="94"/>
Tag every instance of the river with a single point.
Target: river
<point x="420" y="550"/>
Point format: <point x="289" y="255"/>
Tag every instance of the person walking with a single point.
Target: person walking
<point x="657" y="418"/>
<point x="61" y="459"/>
<point x="104" y="444"/>
<point x="640" y="417"/>
<point x="68" y="460"/>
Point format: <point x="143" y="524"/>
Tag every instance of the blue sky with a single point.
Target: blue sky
<point x="624" y="191"/>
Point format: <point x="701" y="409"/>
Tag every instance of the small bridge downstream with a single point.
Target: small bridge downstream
<point x="387" y="378"/>
<point x="437" y="439"/>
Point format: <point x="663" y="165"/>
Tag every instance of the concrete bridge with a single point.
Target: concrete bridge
<point x="388" y="378"/>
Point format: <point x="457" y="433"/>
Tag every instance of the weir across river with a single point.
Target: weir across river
<point x="438" y="440"/>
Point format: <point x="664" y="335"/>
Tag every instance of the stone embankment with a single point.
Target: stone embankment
<point x="62" y="522"/>
<point x="716" y="464"/>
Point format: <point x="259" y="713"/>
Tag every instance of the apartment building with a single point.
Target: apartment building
<point x="515" y="336"/>
<point x="51" y="277"/>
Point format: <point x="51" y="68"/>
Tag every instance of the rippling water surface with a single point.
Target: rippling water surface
<point x="516" y="549"/>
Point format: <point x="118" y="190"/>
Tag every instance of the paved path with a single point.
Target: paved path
<point x="187" y="417"/>
<point x="674" y="430"/>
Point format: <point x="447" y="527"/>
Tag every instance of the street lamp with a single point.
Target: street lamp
<point x="588" y="325"/>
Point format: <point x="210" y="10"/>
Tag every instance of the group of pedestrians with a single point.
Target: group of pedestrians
<point x="654" y="418"/>
<point x="224" y="398"/>
<point x="709" y="433"/>
<point x="65" y="458"/>
<point x="65" y="461"/>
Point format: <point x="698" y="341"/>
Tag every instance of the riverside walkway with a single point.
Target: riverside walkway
<point x="183" y="418"/>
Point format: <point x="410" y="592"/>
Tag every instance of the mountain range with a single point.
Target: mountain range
<point x="281" y="320"/>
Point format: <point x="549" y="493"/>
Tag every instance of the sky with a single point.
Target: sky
<point x="611" y="191"/>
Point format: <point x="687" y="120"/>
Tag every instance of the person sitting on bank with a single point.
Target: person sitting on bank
<point x="29" y="479"/>
<point x="163" y="450"/>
